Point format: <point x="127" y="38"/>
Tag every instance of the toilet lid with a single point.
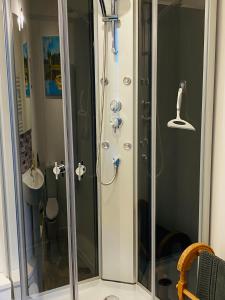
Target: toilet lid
<point x="52" y="208"/>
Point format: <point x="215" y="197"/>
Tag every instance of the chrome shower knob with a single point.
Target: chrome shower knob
<point x="115" y="106"/>
<point x="116" y="123"/>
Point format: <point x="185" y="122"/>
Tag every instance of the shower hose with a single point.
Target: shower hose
<point x="98" y="165"/>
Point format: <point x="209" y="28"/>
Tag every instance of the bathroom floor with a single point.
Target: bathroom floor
<point x="99" y="290"/>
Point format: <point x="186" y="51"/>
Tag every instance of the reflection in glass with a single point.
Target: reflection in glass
<point x="40" y="125"/>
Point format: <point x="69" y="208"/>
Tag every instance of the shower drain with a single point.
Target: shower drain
<point x="112" y="297"/>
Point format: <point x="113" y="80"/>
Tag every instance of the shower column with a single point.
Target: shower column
<point x="117" y="201"/>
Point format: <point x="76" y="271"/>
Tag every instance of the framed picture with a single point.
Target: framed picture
<point x="26" y="70"/>
<point x="52" y="69"/>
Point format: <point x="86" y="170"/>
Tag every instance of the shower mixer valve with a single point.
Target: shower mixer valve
<point x="116" y="123"/>
<point x="115" y="106"/>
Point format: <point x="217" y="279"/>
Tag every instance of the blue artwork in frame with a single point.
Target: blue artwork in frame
<point x="26" y="70"/>
<point x="52" y="69"/>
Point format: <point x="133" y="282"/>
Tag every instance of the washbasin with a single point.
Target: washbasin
<point x="33" y="179"/>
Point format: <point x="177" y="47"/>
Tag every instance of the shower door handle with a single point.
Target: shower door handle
<point x="58" y="169"/>
<point x="80" y="171"/>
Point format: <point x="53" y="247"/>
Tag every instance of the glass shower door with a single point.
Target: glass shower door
<point x="44" y="160"/>
<point x="82" y="90"/>
<point x="144" y="143"/>
<point x="181" y="28"/>
<point x="172" y="89"/>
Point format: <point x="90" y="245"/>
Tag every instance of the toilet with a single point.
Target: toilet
<point x="52" y="210"/>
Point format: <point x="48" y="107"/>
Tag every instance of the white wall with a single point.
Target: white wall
<point x="47" y="114"/>
<point x="218" y="175"/>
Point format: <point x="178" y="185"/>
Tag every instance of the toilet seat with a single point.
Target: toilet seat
<point x="52" y="208"/>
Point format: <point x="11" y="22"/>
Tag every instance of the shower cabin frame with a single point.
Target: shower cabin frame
<point x="206" y="136"/>
<point x="206" y="127"/>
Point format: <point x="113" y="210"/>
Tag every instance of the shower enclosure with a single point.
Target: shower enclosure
<point x="108" y="194"/>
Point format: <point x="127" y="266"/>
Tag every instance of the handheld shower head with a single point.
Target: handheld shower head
<point x="178" y="122"/>
<point x="111" y="18"/>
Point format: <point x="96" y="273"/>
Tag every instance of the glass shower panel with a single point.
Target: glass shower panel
<point x="81" y="55"/>
<point x="144" y="142"/>
<point x="180" y="77"/>
<point x="41" y="144"/>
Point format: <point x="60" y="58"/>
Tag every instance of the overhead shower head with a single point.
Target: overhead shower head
<point x="103" y="9"/>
